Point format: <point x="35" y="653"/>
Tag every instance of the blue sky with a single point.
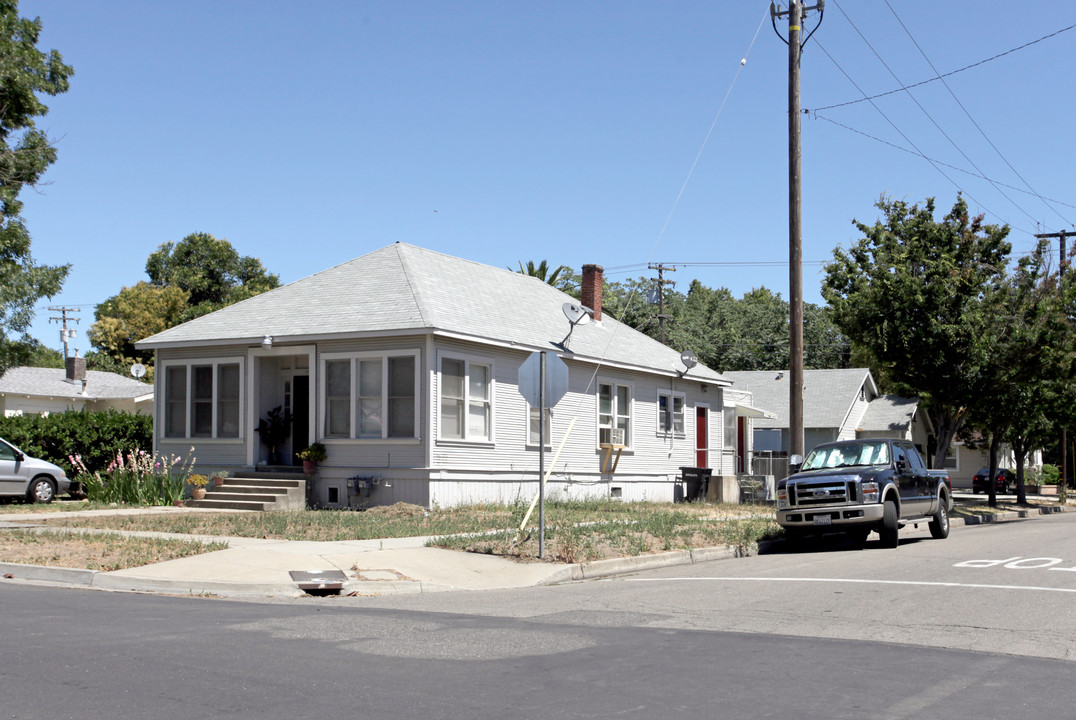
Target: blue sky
<point x="307" y="134"/>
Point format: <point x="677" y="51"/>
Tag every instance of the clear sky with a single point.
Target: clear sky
<point x="617" y="132"/>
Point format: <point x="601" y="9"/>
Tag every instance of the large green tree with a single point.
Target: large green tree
<point x="26" y="73"/>
<point x="211" y="271"/>
<point x="919" y="294"/>
<point x="188" y="279"/>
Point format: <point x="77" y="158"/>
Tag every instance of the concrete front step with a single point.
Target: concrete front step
<point x="256" y="491"/>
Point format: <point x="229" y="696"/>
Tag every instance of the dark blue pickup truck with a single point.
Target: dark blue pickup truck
<point x="859" y="486"/>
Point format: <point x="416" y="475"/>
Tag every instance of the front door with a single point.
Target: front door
<point x="702" y="438"/>
<point x="300" y="415"/>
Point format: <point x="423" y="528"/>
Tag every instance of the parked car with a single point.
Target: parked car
<point x="1004" y="481"/>
<point x="23" y="476"/>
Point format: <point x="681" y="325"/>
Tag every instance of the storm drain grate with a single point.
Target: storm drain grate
<point x="319" y="581"/>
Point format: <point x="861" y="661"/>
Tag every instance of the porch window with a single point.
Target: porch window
<point x="175" y="401"/>
<point x="466" y="400"/>
<point x="671" y="413"/>
<point x="370" y="396"/>
<point x="338" y="398"/>
<point x="202" y="401"/>
<point x="614" y="412"/>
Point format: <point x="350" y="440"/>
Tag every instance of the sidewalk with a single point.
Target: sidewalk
<point x="253" y="567"/>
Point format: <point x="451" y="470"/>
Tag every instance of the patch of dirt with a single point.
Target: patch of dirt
<point x="400" y="509"/>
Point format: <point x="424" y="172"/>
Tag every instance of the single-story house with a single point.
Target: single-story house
<point x="37" y="391"/>
<point x="837" y="405"/>
<point x="406" y="364"/>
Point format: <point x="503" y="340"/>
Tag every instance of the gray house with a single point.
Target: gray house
<point x="405" y="363"/>
<point x="837" y="405"/>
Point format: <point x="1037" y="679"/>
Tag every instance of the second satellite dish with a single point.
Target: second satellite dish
<point x="689" y="359"/>
<point x="576" y="314"/>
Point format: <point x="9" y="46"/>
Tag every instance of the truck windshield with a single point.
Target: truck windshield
<point x="847" y="455"/>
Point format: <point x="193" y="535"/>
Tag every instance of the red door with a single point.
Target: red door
<point x="741" y="443"/>
<point x="702" y="442"/>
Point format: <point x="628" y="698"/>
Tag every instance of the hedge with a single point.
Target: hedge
<point x="97" y="436"/>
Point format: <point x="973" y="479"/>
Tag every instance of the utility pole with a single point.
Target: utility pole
<point x="1061" y="274"/>
<point x="662" y="282"/>
<point x="65" y="333"/>
<point x="796" y="13"/>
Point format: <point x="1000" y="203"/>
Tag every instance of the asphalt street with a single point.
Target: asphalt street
<point x="976" y="626"/>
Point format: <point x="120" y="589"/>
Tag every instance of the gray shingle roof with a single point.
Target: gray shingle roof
<point x="402" y="287"/>
<point x="827" y="395"/>
<point x="52" y="382"/>
<point x="889" y="412"/>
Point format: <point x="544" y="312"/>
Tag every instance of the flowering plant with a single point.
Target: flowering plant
<point x="198" y="480"/>
<point x="135" y="478"/>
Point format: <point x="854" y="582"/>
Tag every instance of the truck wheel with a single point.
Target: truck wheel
<point x="888" y="530"/>
<point x="939" y="523"/>
<point x="41" y="490"/>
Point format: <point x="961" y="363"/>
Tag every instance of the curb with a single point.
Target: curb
<point x="1011" y="515"/>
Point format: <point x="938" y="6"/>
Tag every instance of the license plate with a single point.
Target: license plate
<point x="823" y="520"/>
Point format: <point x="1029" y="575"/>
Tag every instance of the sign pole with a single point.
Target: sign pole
<point x="541" y="457"/>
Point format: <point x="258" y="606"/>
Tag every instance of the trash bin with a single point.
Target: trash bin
<point x="696" y="482"/>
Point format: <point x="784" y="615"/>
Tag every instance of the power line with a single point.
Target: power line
<point x="814" y="114"/>
<point x="948" y="74"/>
<point x="977" y="127"/>
<point x="925" y="112"/>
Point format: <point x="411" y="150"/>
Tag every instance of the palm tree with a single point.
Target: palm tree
<point x="541" y="271"/>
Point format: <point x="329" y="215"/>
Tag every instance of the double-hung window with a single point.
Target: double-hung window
<point x="466" y="400"/>
<point x="202" y="400"/>
<point x="370" y="396"/>
<point x="670" y="413"/>
<point x="614" y="413"/>
<point x="533" y="429"/>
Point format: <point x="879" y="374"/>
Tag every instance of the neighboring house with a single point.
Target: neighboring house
<point x="963" y="461"/>
<point x="405" y="363"/>
<point x="837" y="405"/>
<point x="37" y="391"/>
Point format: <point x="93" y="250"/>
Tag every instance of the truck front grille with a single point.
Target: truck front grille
<point x="825" y="492"/>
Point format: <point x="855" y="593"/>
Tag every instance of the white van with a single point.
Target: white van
<point x="24" y="476"/>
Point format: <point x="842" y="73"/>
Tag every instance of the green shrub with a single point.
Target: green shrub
<point x="97" y="437"/>
<point x="1049" y="474"/>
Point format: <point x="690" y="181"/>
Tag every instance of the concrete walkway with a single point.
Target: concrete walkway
<point x="264" y="568"/>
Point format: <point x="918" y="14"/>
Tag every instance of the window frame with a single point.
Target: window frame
<point x="532" y="437"/>
<point x="663" y="427"/>
<point x="615" y="410"/>
<point x="354" y="398"/>
<point x="215" y="398"/>
<point x="466" y="400"/>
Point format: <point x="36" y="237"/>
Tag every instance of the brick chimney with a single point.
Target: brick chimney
<point x="591" y="289"/>
<point x="76" y="368"/>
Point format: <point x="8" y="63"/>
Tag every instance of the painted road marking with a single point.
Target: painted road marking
<point x="859" y="581"/>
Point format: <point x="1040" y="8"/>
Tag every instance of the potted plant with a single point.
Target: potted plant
<point x="197" y="483"/>
<point x="218" y="478"/>
<point x="311" y="456"/>
<point x="274" y="430"/>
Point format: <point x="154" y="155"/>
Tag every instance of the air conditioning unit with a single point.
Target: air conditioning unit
<point x="616" y="436"/>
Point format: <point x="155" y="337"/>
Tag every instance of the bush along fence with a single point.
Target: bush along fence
<point x="96" y="437"/>
<point x="135" y="478"/>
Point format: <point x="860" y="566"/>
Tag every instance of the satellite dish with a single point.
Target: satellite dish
<point x="576" y="314"/>
<point x="689" y="359"/>
<point x="138" y="370"/>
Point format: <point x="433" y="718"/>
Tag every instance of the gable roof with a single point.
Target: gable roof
<point x="404" y="288"/>
<point x="828" y="395"/>
<point x="53" y="382"/>
<point x="889" y="412"/>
